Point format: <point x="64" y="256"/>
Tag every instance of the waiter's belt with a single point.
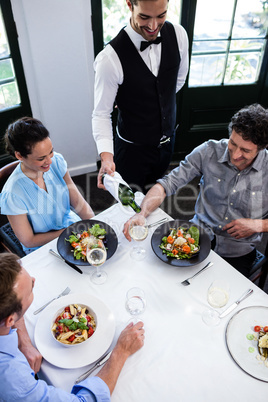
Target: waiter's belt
<point x="163" y="140"/>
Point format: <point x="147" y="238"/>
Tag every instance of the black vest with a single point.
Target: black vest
<point x="147" y="104"/>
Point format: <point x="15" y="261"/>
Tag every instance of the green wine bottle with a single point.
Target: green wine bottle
<point x="120" y="190"/>
<point x="126" y="196"/>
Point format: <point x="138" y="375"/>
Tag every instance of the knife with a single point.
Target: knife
<point x="96" y="365"/>
<point x="235" y="304"/>
<point x="68" y="263"/>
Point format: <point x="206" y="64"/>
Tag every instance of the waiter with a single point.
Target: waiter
<point x="140" y="71"/>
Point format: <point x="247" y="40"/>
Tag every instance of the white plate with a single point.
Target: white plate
<point x="82" y="354"/>
<point x="241" y="324"/>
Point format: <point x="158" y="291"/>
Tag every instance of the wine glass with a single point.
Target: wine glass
<point x="138" y="230"/>
<point x="217" y="296"/>
<point x="97" y="256"/>
<point x="135" y="303"/>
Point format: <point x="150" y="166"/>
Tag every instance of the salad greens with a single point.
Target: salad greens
<point x="80" y="241"/>
<point x="181" y="243"/>
<point x="73" y="325"/>
<point x="97" y="231"/>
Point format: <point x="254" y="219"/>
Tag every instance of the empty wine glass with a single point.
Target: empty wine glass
<point x="97" y="256"/>
<point x="135" y="303"/>
<point x="138" y="230"/>
<point x="217" y="296"/>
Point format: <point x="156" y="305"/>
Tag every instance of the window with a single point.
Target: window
<point x="9" y="92"/>
<point x="14" y="99"/>
<point x="229" y="42"/>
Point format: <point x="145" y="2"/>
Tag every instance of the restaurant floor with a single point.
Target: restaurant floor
<point x="180" y="206"/>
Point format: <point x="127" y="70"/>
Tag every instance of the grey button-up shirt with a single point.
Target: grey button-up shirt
<point x="226" y="193"/>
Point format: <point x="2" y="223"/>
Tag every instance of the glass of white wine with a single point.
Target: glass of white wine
<point x="135" y="303"/>
<point x="96" y="256"/>
<point x="138" y="230"/>
<point x="217" y="296"/>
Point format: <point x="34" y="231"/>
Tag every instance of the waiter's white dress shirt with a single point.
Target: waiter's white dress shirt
<point x="109" y="75"/>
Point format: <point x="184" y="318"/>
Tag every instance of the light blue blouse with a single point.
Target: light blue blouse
<point x="46" y="210"/>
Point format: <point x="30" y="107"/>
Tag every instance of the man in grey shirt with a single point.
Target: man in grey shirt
<point x="232" y="204"/>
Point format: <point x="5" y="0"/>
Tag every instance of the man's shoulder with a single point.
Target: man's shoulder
<point x="179" y="30"/>
<point x="211" y="149"/>
<point x="105" y="54"/>
<point x="219" y="145"/>
<point x="213" y="145"/>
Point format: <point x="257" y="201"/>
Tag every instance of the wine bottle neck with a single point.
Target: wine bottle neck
<point x="135" y="206"/>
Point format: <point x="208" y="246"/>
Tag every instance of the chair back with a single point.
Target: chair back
<point x="260" y="266"/>
<point x="6" y="171"/>
<point x="8" y="240"/>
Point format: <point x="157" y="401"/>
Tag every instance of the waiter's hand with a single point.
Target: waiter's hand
<point x="107" y="166"/>
<point x="240" y="228"/>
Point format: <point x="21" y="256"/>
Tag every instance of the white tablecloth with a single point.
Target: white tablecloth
<point x="182" y="359"/>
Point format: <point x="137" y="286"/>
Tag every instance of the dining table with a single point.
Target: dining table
<point x="182" y="359"/>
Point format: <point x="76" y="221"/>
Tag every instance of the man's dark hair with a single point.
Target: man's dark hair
<point x="23" y="134"/>
<point x="251" y="123"/>
<point x="135" y="2"/>
<point x="9" y="270"/>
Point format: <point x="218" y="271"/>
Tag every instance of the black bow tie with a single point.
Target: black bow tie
<point x="145" y="44"/>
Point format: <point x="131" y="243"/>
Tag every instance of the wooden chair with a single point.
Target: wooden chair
<point x="8" y="240"/>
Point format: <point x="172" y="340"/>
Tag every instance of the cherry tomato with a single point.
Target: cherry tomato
<point x="58" y="318"/>
<point x="191" y="240"/>
<point x="175" y="252"/>
<point x="66" y="315"/>
<point x="74" y="244"/>
<point x="67" y="309"/>
<point x="59" y="328"/>
<point x="257" y="328"/>
<point x="88" y="318"/>
<point x="179" y="233"/>
<point x="71" y="338"/>
<point x="90" y="331"/>
<point x="265" y="329"/>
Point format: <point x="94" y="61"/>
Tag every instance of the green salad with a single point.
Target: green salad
<point x="88" y="238"/>
<point x="181" y="242"/>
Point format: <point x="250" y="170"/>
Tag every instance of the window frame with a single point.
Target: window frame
<point x="24" y="108"/>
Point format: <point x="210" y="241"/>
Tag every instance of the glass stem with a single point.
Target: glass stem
<point x="98" y="272"/>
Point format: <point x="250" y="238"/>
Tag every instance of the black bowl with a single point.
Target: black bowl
<point x="65" y="248"/>
<point x="164" y="230"/>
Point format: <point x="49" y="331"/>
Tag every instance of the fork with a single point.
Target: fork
<point x="65" y="292"/>
<point x="157" y="222"/>
<point x="186" y="282"/>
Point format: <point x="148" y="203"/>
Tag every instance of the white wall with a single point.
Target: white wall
<point x="56" y="44"/>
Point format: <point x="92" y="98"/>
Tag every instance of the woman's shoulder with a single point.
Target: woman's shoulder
<point x="59" y="164"/>
<point x="13" y="180"/>
<point x="14" y="193"/>
<point x="58" y="158"/>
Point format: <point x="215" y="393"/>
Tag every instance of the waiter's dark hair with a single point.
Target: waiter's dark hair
<point x="23" y="134"/>
<point x="251" y="123"/>
<point x="9" y="270"/>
